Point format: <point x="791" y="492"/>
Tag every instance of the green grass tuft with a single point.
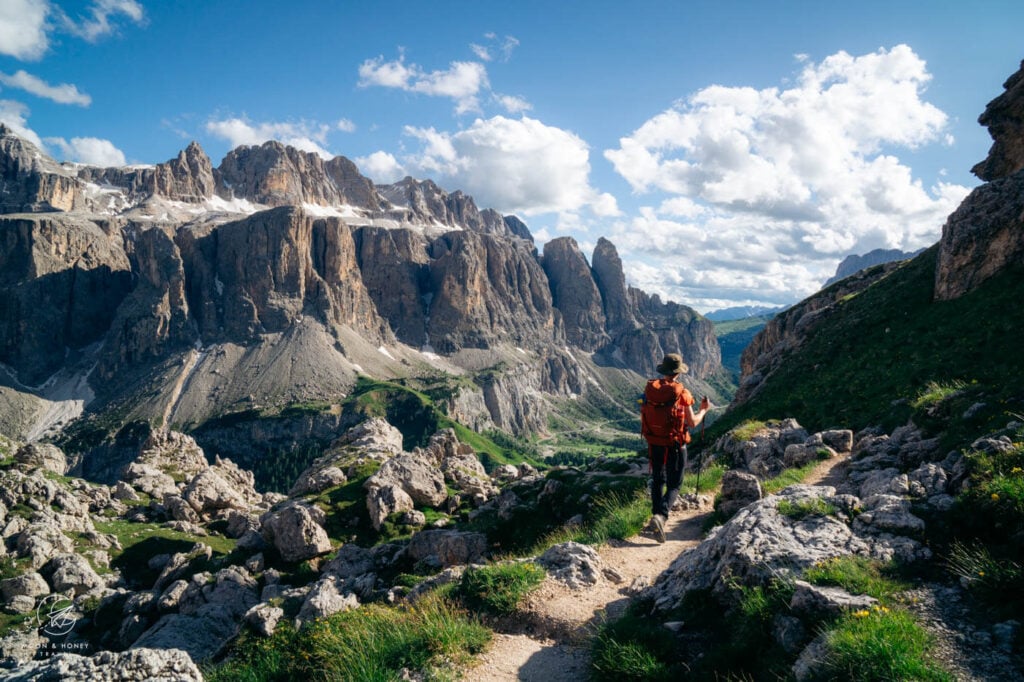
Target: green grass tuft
<point x="371" y="643"/>
<point x="787" y="478"/>
<point x="881" y="644"/>
<point x="500" y="588"/>
<point x="857" y="575"/>
<point x="801" y="509"/>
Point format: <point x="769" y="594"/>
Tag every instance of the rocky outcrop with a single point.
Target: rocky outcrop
<point x="296" y="531"/>
<point x="575" y="294"/>
<point x="273" y="174"/>
<point x="188" y="177"/>
<point x="578" y="566"/>
<point x="422" y="202"/>
<point x="31" y="182"/>
<point x="985" y="234"/>
<point x="1004" y="118"/>
<point x="395" y="271"/>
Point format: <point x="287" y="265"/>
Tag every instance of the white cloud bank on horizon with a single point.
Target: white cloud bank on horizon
<point x="513" y="165"/>
<point x="765" y="190"/>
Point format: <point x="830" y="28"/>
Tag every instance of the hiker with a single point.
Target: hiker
<point x="666" y="417"/>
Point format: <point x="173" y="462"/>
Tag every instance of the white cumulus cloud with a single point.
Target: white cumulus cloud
<point x="304" y="135"/>
<point x="65" y="93"/>
<point x="461" y="81"/>
<point x="795" y="177"/>
<point x="89" y="150"/>
<point x="513" y="165"/>
<point x="381" y="167"/>
<point x="23" y="29"/>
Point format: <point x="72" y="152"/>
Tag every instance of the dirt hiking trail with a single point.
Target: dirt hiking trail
<point x="549" y="638"/>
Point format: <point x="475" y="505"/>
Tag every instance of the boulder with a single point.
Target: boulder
<point x="296" y="531"/>
<point x="577" y="565"/>
<point x="71" y="572"/>
<point x="326" y="597"/>
<point x="263" y="618"/>
<point x="738" y="490"/>
<point x="374" y="438"/>
<point x="755" y="546"/>
<point x="29" y="584"/>
<point x="444" y="548"/>
<point x="466" y="474"/>
<point x="43" y="456"/>
<point x="418" y="477"/>
<point x="384" y="501"/>
<point x="313" y="481"/>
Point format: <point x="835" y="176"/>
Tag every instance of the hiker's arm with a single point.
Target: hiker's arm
<point x="695" y="418"/>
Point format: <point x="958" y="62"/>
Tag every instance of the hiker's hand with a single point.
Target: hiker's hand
<point x="705" y="403"/>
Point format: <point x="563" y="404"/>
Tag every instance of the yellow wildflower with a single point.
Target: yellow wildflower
<point x="861" y="614"/>
<point x="981" y="574"/>
<point x="1016" y="470"/>
<point x="995" y="497"/>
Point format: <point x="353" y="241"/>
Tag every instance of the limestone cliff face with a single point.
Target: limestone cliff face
<point x="275" y="175"/>
<point x="261" y="274"/>
<point x="611" y="282"/>
<point x="487" y="291"/>
<point x="986" y="233"/>
<point x="575" y="294"/>
<point x="31" y="182"/>
<point x="154" y="319"/>
<point x="188" y="178"/>
<point x="395" y="270"/>
<point x="61" y="279"/>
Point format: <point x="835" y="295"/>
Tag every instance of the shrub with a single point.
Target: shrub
<point x="499" y="588"/>
<point x="999" y="581"/>
<point x="880" y="644"/>
<point x="935" y="392"/>
<point x="803" y="508"/>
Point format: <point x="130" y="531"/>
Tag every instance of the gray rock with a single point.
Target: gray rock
<point x="465" y="473"/>
<point x="887" y="514"/>
<point x="385" y="500"/>
<point x="577" y="565"/>
<point x="18" y="647"/>
<point x="135" y="665"/>
<point x="263" y="618"/>
<point x="41" y="456"/>
<point x="1005" y="635"/>
<point x="413" y="517"/>
<point x="317" y="480"/>
<point x="819" y="601"/>
<point x="506" y="473"/>
<point x="421" y="480"/>
<point x="296" y="531"/>
<point x="840" y="440"/>
<point x="789" y="633"/>
<point x="739" y="489"/>
<point x="351" y="561"/>
<point x="756" y="545"/>
<point x="326" y="597"/>
<point x="29" y="584"/>
<point x="445" y="548"/>
<point x="71" y="572"/>
<point x="811" y="660"/>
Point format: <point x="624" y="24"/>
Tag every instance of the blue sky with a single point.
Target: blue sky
<point x="735" y="152"/>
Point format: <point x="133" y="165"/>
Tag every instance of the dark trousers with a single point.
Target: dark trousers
<point x="667" y="475"/>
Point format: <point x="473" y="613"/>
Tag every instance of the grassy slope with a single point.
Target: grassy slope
<point x="860" y="366"/>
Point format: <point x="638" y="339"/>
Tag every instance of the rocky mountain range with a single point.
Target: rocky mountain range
<point x="855" y="263"/>
<point x="182" y="292"/>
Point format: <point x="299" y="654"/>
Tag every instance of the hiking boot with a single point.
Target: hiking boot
<point x="658" y="521"/>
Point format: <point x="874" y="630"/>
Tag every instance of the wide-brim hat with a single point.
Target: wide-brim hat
<point x="672" y="364"/>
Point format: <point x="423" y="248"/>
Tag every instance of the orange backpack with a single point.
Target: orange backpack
<point x="662" y="413"/>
